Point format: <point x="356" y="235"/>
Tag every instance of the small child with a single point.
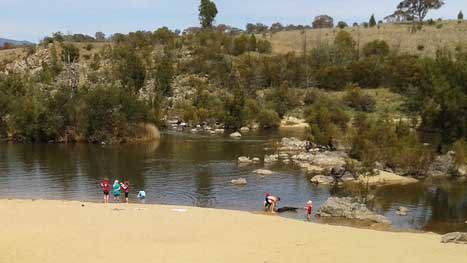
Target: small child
<point x="116" y="191"/>
<point x="105" y="185"/>
<point x="309" y="210"/>
<point x="126" y="189"/>
<point x="141" y="195"/>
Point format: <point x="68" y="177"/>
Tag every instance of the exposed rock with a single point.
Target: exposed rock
<point x="244" y="160"/>
<point x="292" y="145"/>
<point x="386" y="178"/>
<point x="194" y="130"/>
<point x="239" y="181"/>
<point x="271" y="158"/>
<point x="292" y="122"/>
<point x="256" y="160"/>
<point x="219" y="131"/>
<point x="462" y="170"/>
<point x="455" y="237"/>
<point x="402" y="211"/>
<point x="263" y="172"/>
<point x="442" y="166"/>
<point x="244" y="129"/>
<point x="235" y="135"/>
<point x="322" y="179"/>
<point x="347" y="208"/>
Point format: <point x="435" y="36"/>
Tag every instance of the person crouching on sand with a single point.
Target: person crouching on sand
<point x="126" y="189"/>
<point x="309" y="210"/>
<point x="271" y="203"/>
<point x="116" y="191"/>
<point x="105" y="185"/>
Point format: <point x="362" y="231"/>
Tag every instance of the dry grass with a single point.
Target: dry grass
<point x="398" y="36"/>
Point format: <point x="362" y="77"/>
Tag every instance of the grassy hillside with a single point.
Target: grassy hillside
<point x="425" y="42"/>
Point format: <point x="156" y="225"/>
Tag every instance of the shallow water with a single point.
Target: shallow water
<point x="196" y="170"/>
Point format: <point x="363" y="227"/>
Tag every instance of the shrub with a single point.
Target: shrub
<point x="89" y="47"/>
<point x="342" y="25"/>
<point x="268" y="118"/>
<point x="460" y="150"/>
<point x="379" y="48"/>
<point x="333" y="77"/>
<point x="367" y="72"/>
<point x="356" y="99"/>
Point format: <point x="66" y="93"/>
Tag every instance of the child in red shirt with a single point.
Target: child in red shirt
<point x="309" y="210"/>
<point x="105" y="184"/>
<point x="126" y="189"/>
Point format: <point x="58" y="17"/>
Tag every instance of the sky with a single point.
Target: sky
<point x="33" y="19"/>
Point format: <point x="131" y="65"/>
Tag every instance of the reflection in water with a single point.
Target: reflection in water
<point x="197" y="170"/>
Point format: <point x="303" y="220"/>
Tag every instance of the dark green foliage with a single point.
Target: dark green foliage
<point x="356" y="99"/>
<point x="128" y="68"/>
<point x="460" y="16"/>
<point x="268" y="118"/>
<point x="70" y="53"/>
<point x="327" y="119"/>
<point x="342" y="25"/>
<point x="207" y="13"/>
<point x="333" y="77"/>
<point x="372" y="22"/>
<point x="367" y="72"/>
<point x="379" y="48"/>
<point x="164" y="74"/>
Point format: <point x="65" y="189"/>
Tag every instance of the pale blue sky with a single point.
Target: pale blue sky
<point x="34" y="19"/>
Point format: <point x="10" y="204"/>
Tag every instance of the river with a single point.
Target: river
<point x="196" y="170"/>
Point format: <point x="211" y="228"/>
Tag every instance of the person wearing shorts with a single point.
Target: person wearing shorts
<point x="105" y="185"/>
<point x="126" y="189"/>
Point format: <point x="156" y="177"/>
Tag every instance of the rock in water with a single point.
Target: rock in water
<point x="244" y="160"/>
<point x="456" y="237"/>
<point x="402" y="211"/>
<point x="263" y="172"/>
<point x="239" y="181"/>
<point x="346" y="207"/>
<point x="322" y="179"/>
<point x="236" y="135"/>
<point x="244" y="129"/>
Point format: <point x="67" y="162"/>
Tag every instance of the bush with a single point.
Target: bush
<point x="379" y="48"/>
<point x="333" y="77"/>
<point x="342" y="25"/>
<point x="268" y="118"/>
<point x="367" y="72"/>
<point x="356" y="99"/>
<point x="460" y="150"/>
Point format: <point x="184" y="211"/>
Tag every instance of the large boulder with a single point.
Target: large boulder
<point x="236" y="135"/>
<point x="346" y="207"/>
<point x="442" y="166"/>
<point x="271" y="158"/>
<point x="239" y="181"/>
<point x="292" y="145"/>
<point x="386" y="178"/>
<point x="263" y="172"/>
<point x="456" y="237"/>
<point x="244" y="160"/>
<point x="322" y="179"/>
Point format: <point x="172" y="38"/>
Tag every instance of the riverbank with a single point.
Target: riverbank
<point x="58" y="231"/>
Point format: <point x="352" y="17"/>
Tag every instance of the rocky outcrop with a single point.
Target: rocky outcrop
<point x="292" y="122"/>
<point x="442" y="166"/>
<point x="247" y="160"/>
<point x="322" y="179"/>
<point x="386" y="178"/>
<point x="293" y="145"/>
<point x="456" y="237"/>
<point x="347" y="208"/>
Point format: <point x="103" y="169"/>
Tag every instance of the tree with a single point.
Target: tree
<point x="100" y="36"/>
<point x="416" y="10"/>
<point x="207" y="13"/>
<point x="323" y="21"/>
<point x="372" y="21"/>
<point x="342" y="24"/>
<point x="460" y="16"/>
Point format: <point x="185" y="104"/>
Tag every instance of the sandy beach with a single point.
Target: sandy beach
<point x="59" y="231"/>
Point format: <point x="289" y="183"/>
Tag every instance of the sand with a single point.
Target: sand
<point x="59" y="231"/>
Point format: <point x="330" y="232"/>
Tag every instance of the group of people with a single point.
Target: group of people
<point x="270" y="205"/>
<point x="117" y="189"/>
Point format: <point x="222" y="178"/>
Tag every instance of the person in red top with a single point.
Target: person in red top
<point x="309" y="210"/>
<point x="126" y="189"/>
<point x="105" y="184"/>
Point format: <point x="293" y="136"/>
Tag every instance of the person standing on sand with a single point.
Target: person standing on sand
<point x="116" y="191"/>
<point x="126" y="189"/>
<point x="309" y="210"/>
<point x="105" y="185"/>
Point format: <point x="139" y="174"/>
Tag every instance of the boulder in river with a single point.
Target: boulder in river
<point x="219" y="131"/>
<point x="236" y="135"/>
<point x="263" y="172"/>
<point x="402" y="211"/>
<point x="244" y="160"/>
<point x="271" y="158"/>
<point x="455" y="237"/>
<point x="347" y="207"/>
<point x="386" y="178"/>
<point x="244" y="129"/>
<point x="239" y="181"/>
<point x="322" y="179"/>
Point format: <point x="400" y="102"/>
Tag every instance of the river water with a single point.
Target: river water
<point x="196" y="170"/>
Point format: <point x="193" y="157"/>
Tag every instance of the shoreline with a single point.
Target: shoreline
<point x="57" y="231"/>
